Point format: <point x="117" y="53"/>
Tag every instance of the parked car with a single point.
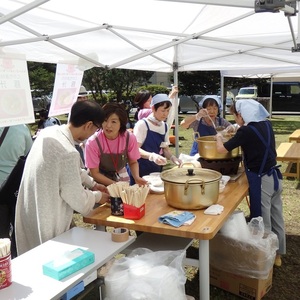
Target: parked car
<point x="40" y="102"/>
<point x="247" y="93"/>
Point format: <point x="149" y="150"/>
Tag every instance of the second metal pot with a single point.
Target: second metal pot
<point x="207" y="148"/>
<point x="191" y="188"/>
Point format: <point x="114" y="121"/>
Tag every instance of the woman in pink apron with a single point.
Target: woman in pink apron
<point x="111" y="148"/>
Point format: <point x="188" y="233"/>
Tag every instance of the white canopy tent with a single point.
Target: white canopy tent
<point x="162" y="36"/>
<point x="208" y="35"/>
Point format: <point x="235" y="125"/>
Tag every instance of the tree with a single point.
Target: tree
<point x="120" y="82"/>
<point x="237" y="83"/>
<point x="41" y="76"/>
<point x="199" y="83"/>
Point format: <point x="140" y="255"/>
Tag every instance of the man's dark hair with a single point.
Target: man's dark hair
<point x="118" y="109"/>
<point x="44" y="113"/>
<point x="85" y="111"/>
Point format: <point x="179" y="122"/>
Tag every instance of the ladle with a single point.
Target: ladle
<point x="212" y="121"/>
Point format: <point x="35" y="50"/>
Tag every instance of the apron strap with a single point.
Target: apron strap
<point x="100" y="148"/>
<point x="267" y="145"/>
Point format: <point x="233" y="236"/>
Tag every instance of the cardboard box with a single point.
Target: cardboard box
<point x="68" y="263"/>
<point x="133" y="212"/>
<point x="245" y="258"/>
<point x="75" y="290"/>
<point x="244" y="287"/>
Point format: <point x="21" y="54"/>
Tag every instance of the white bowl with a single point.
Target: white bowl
<point x="225" y="179"/>
<point x="155" y="174"/>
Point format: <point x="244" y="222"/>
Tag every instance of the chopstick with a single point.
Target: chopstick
<point x="4" y="247"/>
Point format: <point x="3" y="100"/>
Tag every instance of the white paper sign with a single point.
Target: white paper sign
<point x="15" y="96"/>
<point x="66" y="87"/>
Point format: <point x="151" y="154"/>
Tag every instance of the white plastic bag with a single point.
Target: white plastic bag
<point x="147" y="275"/>
<point x="257" y="228"/>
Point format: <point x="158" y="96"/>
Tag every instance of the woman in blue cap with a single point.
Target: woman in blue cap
<point x="257" y="140"/>
<point x="152" y="134"/>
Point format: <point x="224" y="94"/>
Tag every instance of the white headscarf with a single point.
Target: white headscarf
<point x="217" y="98"/>
<point x="251" y="110"/>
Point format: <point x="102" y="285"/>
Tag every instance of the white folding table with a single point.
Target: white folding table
<point x="28" y="281"/>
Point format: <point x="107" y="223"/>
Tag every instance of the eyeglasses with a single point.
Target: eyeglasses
<point x="98" y="127"/>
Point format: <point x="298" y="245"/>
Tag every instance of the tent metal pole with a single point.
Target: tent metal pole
<point x="222" y="95"/>
<point x="271" y="96"/>
<point x="298" y="37"/>
<point x="96" y="63"/>
<point x="135" y="45"/>
<point x="177" y="41"/>
<point x="175" y="70"/>
<point x="292" y="33"/>
<point x="49" y="40"/>
<point x="233" y="3"/>
<point x="21" y="10"/>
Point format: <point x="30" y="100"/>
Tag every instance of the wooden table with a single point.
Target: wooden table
<point x="28" y="281"/>
<point x="290" y="152"/>
<point x="204" y="228"/>
<point x="295" y="136"/>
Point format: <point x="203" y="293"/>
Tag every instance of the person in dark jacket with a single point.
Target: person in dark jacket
<point x="256" y="138"/>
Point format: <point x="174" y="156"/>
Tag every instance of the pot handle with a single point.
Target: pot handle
<point x="196" y="164"/>
<point x="187" y="184"/>
<point x="196" y="136"/>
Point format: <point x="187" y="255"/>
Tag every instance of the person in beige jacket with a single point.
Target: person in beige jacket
<point x="54" y="183"/>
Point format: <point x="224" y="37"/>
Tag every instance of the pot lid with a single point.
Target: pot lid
<point x="181" y="175"/>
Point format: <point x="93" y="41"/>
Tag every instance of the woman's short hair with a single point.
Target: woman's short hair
<point x="119" y="110"/>
<point x="141" y="98"/>
<point x="211" y="102"/>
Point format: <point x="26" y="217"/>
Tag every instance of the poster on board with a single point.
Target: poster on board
<point x="15" y="96"/>
<point x="66" y="87"/>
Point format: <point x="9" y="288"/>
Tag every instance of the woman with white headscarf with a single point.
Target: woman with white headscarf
<point x="205" y="122"/>
<point x="256" y="138"/>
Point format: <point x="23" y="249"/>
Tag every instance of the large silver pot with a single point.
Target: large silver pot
<point x="195" y="188"/>
<point x="207" y="148"/>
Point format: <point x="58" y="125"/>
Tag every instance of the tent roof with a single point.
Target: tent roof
<point x="149" y="35"/>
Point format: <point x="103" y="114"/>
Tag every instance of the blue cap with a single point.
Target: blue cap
<point x="160" y="98"/>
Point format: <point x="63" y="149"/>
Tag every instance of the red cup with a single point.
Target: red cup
<point x="5" y="271"/>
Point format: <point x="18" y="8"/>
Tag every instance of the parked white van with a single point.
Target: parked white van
<point x="247" y="93"/>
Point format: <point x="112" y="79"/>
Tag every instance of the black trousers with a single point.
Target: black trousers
<point x="7" y="218"/>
